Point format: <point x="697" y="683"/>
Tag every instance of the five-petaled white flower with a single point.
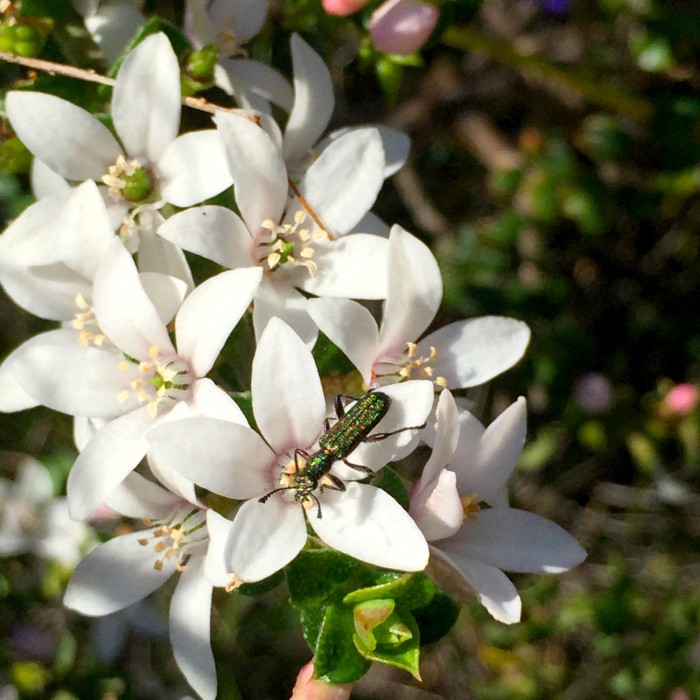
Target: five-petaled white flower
<point x="234" y="461"/>
<point x="471" y="465"/>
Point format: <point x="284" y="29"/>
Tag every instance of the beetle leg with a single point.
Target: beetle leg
<point x="359" y="467"/>
<point x="376" y="437"/>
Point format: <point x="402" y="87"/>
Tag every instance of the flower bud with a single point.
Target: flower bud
<point x="402" y="26"/>
<point x="343" y="8"/>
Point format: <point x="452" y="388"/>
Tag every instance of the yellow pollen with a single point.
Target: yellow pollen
<point x="234" y="583"/>
<point x="433" y="352"/>
<point x="428" y="371"/>
<point x="153" y="352"/>
<point x="122" y="396"/>
<point x="158" y="564"/>
<point x="412" y="349"/>
<point x="441" y="382"/>
<point x="470" y="506"/>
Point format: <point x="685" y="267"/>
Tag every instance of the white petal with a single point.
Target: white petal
<point x="353" y="266"/>
<point x="125" y="313"/>
<point x="212" y="401"/>
<point x="66" y="137"/>
<point x="229" y="459"/>
<point x="114" y="451"/>
<point x="137" y="497"/>
<point x="146" y="98"/>
<point x="288" y="398"/>
<point x="515" y="540"/>
<point x="495" y="591"/>
<point x="210" y="313"/>
<point x="445" y="443"/>
<point x="158" y="255"/>
<point x="190" y="623"/>
<point x="368" y="524"/>
<point x="485" y="467"/>
<point x="474" y="351"/>
<point x="414" y="293"/>
<point x="165" y="291"/>
<point x="253" y="79"/>
<point x="437" y="509"/>
<point x="259" y="174"/>
<point x="277" y="299"/>
<point x="248" y="16"/>
<point x="215" y="233"/>
<point x="45" y="181"/>
<point x="112" y="27"/>
<point x="215" y="568"/>
<point x="116" y="574"/>
<point x="54" y="370"/>
<point x="349" y="326"/>
<point x="343" y="183"/>
<point x="265" y="537"/>
<point x="13" y="397"/>
<point x="193" y="168"/>
<point x="313" y="101"/>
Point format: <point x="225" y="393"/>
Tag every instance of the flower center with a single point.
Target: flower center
<point x="470" y="506"/>
<point x="128" y="179"/>
<point x="290" y="245"/>
<point x="156" y="381"/>
<point x="410" y="365"/>
<point x="85" y="323"/>
<point x="174" y="538"/>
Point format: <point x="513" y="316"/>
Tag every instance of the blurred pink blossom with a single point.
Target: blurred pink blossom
<point x="680" y="400"/>
<point x="402" y="26"/>
<point x="342" y="8"/>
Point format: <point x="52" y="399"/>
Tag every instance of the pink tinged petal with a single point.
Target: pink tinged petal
<point x="226" y="458"/>
<point x="515" y="540"/>
<point x="445" y="442"/>
<point x="146" y="99"/>
<point x="343" y="183"/>
<point x="255" y="80"/>
<point x="402" y="26"/>
<point x="215" y="569"/>
<point x="258" y="171"/>
<point x="368" y="524"/>
<point x="414" y="294"/>
<point x="493" y="588"/>
<point x="193" y="168"/>
<point x="351" y="327"/>
<point x="437" y="509"/>
<point x="474" y="351"/>
<point x="353" y="266"/>
<point x="114" y="451"/>
<point x="210" y="313"/>
<point x="411" y="403"/>
<point x="45" y="182"/>
<point x="116" y="574"/>
<point x="137" y="497"/>
<point x="493" y="459"/>
<point x="277" y="299"/>
<point x="215" y="233"/>
<point x="190" y="633"/>
<point x="166" y="293"/>
<point x="13" y="396"/>
<point x="212" y="401"/>
<point x="313" y="101"/>
<point x="125" y="313"/>
<point x="53" y="369"/>
<point x="265" y="537"/>
<point x="288" y="398"/>
<point x="67" y="138"/>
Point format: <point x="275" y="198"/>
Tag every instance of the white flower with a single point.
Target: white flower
<point x="32" y="520"/>
<point x="127" y="568"/>
<point x="289" y="407"/>
<point x="279" y="234"/>
<point x="145" y="110"/>
<point x="461" y="355"/>
<point x="146" y="382"/>
<point x="471" y="465"/>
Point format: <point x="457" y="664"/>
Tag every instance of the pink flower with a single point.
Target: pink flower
<point x="402" y="26"/>
<point x="342" y="8"/>
<point x="680" y="400"/>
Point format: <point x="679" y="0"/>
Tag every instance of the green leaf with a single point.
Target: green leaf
<point x="388" y="480"/>
<point x="436" y="618"/>
<point x="410" y="591"/>
<point x="311" y="618"/>
<point x="314" y="574"/>
<point x="405" y="655"/>
<point x="336" y="658"/>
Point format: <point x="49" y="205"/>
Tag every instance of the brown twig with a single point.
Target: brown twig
<point x="92" y="77"/>
<point x="309" y="209"/>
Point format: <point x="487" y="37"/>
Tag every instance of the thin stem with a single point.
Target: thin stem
<point x="309" y="209"/>
<point x="91" y="76"/>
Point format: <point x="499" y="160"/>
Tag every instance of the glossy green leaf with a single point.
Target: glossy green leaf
<point x="409" y="591"/>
